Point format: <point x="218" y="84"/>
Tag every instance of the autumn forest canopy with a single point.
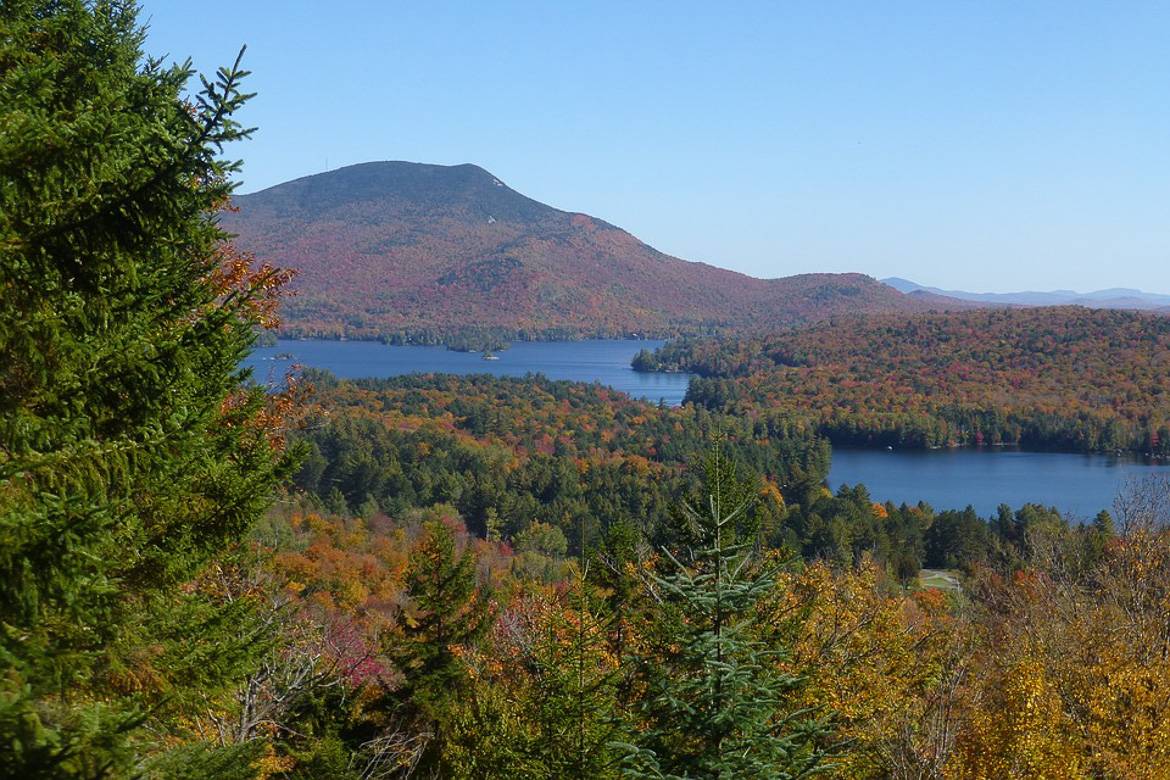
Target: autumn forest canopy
<point x="1064" y="378"/>
<point x="436" y="576"/>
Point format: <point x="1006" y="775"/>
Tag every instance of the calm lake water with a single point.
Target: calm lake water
<point x="1078" y="485"/>
<point x="601" y="360"/>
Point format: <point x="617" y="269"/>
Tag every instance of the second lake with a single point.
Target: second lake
<point x="1079" y="485"/>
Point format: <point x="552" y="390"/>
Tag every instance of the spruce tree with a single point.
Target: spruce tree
<point x="448" y="612"/>
<point x="715" y="703"/>
<point x="576" y="699"/>
<point x="130" y="453"/>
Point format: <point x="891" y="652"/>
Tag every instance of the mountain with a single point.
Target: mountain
<point x="1113" y="298"/>
<point x="398" y="248"/>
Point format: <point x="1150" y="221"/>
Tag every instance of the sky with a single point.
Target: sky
<point x="986" y="146"/>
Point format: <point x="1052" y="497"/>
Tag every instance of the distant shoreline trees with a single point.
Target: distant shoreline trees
<point x="1063" y="378"/>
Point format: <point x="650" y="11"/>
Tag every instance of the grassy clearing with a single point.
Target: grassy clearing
<point x="941" y="579"/>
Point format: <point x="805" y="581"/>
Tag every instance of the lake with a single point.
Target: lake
<point x="1078" y="485"/>
<point x="599" y="360"/>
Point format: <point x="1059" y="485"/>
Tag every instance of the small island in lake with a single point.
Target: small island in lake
<point x="474" y="342"/>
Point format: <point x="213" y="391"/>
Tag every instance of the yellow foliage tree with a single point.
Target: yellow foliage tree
<point x="1019" y="730"/>
<point x="871" y="655"/>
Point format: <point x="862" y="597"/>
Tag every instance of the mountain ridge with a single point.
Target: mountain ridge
<point x="1110" y="298"/>
<point x="414" y="250"/>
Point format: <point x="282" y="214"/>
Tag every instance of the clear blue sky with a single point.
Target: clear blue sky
<point x="979" y="145"/>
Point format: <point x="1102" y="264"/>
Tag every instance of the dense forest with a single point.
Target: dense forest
<point x="1062" y="378"/>
<point x="533" y="662"/>
<point x="441" y="577"/>
<point x="512" y="452"/>
<point x="581" y="465"/>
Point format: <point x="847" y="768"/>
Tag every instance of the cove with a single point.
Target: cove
<point x="1079" y="485"/>
<point x="597" y="360"/>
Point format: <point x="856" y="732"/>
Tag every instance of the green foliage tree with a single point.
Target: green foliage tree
<point x="616" y="460"/>
<point x="130" y="454"/>
<point x="1096" y="538"/>
<point x="448" y="611"/>
<point x="716" y="702"/>
<point x="576" y="680"/>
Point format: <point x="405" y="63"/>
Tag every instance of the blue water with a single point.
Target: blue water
<point x="1078" y="485"/>
<point x="601" y="360"/>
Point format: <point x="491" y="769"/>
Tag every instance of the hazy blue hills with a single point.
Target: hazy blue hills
<point x="1112" y="298"/>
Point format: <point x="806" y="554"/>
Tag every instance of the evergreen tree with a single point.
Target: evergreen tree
<point x="448" y="611"/>
<point x="130" y="453"/>
<point x="715" y="700"/>
<point x="576" y="707"/>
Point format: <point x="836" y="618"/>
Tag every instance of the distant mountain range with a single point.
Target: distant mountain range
<point x="1113" y="298"/>
<point x="414" y="250"/>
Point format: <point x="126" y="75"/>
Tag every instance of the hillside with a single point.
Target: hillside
<point x="1067" y="378"/>
<point x="393" y="247"/>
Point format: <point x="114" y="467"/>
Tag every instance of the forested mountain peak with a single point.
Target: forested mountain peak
<point x="414" y="250"/>
<point x="463" y="192"/>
